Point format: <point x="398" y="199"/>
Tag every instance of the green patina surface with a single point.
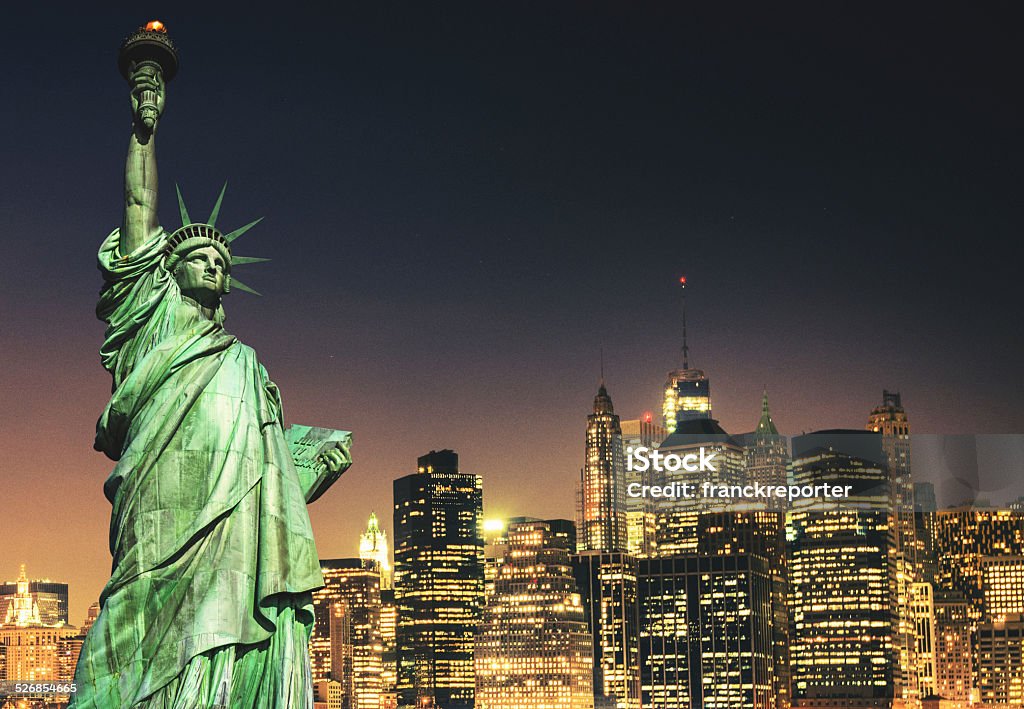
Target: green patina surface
<point x="209" y="601"/>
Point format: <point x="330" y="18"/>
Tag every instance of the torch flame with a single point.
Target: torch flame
<point x="156" y="26"/>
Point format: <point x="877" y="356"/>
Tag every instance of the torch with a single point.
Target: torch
<point x="148" y="45"/>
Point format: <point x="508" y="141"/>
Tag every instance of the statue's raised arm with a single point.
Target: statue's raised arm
<point x="140" y="176"/>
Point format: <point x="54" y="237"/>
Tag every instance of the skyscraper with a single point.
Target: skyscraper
<point x="31" y="649"/>
<point x="922" y="609"/>
<point x="954" y="669"/>
<point x="890" y="420"/>
<point x="607" y="582"/>
<point x="687" y="391"/>
<point x="602" y="515"/>
<point x="687" y="396"/>
<point x="964" y="536"/>
<point x="1002" y="585"/>
<point x="640" y="513"/>
<point x="373" y="548"/>
<point x="533" y="648"/>
<point x="374" y="554"/>
<point x="706" y="632"/>
<point x="766" y="454"/>
<point x="758" y="532"/>
<point x="925" y="507"/>
<point x="842" y="575"/>
<point x="605" y="573"/>
<point x="439" y="582"/>
<point x="1001" y="661"/>
<point x="44" y="600"/>
<point x="677" y="519"/>
<point x="346" y="645"/>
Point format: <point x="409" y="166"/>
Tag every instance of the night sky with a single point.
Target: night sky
<point x="464" y="207"/>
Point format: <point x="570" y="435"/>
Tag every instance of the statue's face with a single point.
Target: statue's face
<point x="202" y="275"/>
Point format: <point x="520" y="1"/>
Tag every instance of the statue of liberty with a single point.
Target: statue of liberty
<point x="209" y="602"/>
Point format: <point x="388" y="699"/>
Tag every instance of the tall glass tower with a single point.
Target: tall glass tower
<point x="843" y="609"/>
<point x="602" y="513"/>
<point x="439" y="582"/>
<point x="605" y="573"/>
<point x="890" y="420"/>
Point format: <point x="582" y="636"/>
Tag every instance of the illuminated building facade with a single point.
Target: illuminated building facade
<point x="38" y="653"/>
<point x="346" y="645"/>
<point x="439" y="582"/>
<point x="601" y="518"/>
<point x="925" y="507"/>
<point x="496" y="549"/>
<point x="44" y="602"/>
<point x="922" y="613"/>
<point x="641" y="526"/>
<point x="533" y="649"/>
<point x="687" y="397"/>
<point x="676" y="520"/>
<point x="1001" y="661"/>
<point x="389" y="656"/>
<point x="890" y="419"/>
<point x="32" y="650"/>
<point x="953" y="657"/>
<point x="759" y="532"/>
<point x="963" y="537"/>
<point x="607" y="582"/>
<point x="373" y="548"/>
<point x="766" y="454"/>
<point x="706" y="633"/>
<point x="1002" y="585"/>
<point x="842" y="575"/>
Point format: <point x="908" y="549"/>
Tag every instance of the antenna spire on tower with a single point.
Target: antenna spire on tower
<point x="686" y="348"/>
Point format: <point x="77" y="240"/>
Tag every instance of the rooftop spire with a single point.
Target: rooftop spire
<point x="766" y="426"/>
<point x="686" y="348"/>
<point x="603" y="402"/>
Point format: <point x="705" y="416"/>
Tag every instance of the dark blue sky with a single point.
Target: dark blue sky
<point x="463" y="206"/>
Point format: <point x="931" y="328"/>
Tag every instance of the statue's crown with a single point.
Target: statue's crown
<point x="194" y="235"/>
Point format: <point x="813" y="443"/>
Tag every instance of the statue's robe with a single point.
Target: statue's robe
<point x="209" y="602"/>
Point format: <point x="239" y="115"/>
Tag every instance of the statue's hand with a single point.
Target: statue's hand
<point x="148" y="95"/>
<point x="337" y="460"/>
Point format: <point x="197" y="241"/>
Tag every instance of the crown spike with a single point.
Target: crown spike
<point x="235" y="283"/>
<point x="242" y="260"/>
<point x="241" y="230"/>
<point x="212" y="221"/>
<point x="181" y="206"/>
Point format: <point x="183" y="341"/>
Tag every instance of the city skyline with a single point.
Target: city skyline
<point x="485" y="238"/>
